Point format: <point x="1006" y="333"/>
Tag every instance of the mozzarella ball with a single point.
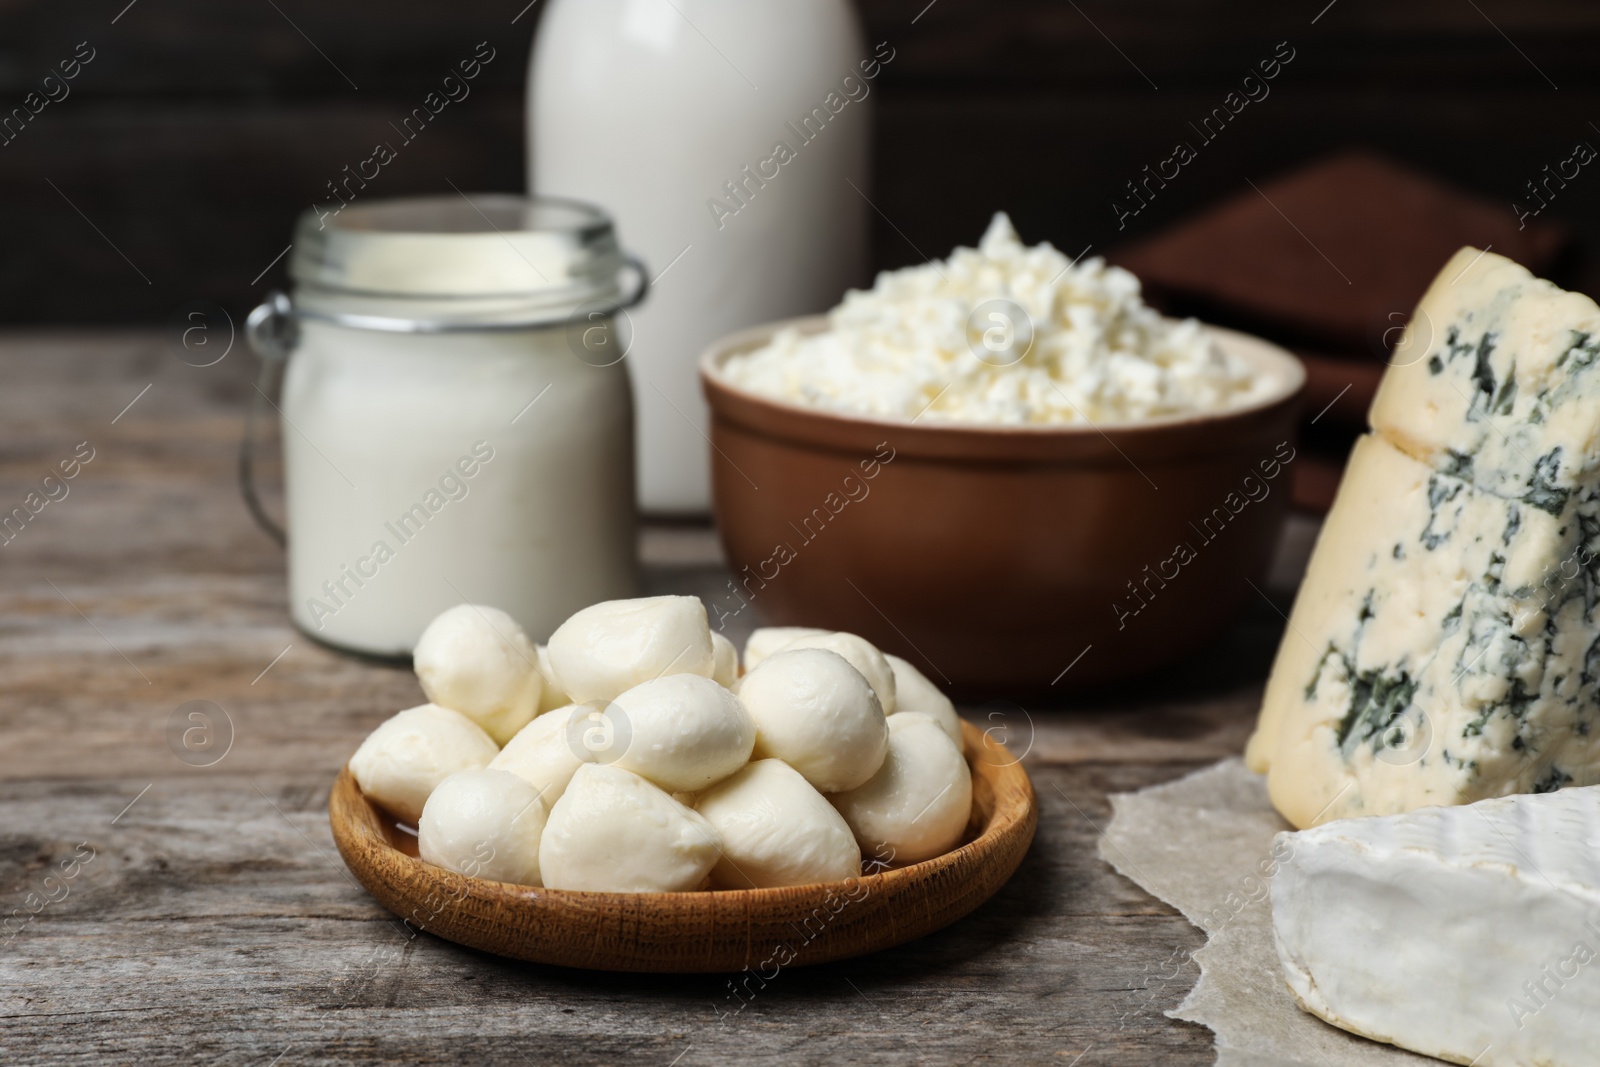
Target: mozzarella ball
<point x="401" y="762"/>
<point x="682" y="732"/>
<point x="917" y="805"/>
<point x="765" y="640"/>
<point x="724" y="661"/>
<point x="544" y="754"/>
<point x="608" y="648"/>
<point x="814" y="711"/>
<point x="860" y="654"/>
<point x="476" y="660"/>
<point x="914" y="692"/>
<point x="614" y="832"/>
<point x="776" y="830"/>
<point x="485" y="824"/>
<point x="551" y="695"/>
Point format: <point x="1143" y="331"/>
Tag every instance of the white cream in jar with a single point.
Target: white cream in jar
<point x="458" y="423"/>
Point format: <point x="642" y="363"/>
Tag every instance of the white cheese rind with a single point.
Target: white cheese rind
<point x="1443" y="649"/>
<point x="1471" y="934"/>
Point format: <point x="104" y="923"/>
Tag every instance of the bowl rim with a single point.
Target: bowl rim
<point x="1283" y="364"/>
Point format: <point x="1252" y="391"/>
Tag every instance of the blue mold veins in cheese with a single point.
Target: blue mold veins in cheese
<point x="1445" y="645"/>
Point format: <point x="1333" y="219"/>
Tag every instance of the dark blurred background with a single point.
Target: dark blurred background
<point x="201" y="129"/>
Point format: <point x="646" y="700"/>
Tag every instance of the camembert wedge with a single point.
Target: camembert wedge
<point x="1469" y="933"/>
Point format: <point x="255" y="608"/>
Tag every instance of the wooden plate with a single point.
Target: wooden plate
<point x="727" y="930"/>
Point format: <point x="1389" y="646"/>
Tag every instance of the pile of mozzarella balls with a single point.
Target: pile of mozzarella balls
<point x="634" y="754"/>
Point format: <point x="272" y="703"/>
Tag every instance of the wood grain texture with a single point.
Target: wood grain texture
<point x="217" y="923"/>
<point x="759" y="930"/>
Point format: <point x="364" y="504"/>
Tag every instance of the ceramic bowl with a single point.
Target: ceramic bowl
<point x="1002" y="561"/>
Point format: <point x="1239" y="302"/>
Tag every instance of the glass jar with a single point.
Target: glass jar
<point x="457" y="418"/>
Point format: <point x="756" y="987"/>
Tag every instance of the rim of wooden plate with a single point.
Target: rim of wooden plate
<point x="700" y="932"/>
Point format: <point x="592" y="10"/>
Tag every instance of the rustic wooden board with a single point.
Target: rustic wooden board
<point x="215" y="922"/>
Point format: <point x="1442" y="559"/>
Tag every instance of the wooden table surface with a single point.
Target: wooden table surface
<point x="208" y="918"/>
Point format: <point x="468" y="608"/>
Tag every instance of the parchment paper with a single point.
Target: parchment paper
<point x="1204" y="845"/>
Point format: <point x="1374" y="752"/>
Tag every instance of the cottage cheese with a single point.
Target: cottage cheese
<point x="1000" y="334"/>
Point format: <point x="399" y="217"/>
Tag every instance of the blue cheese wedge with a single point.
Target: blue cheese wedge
<point x="1496" y="380"/>
<point x="1442" y="650"/>
<point x="1445" y="645"/>
<point x="1471" y="933"/>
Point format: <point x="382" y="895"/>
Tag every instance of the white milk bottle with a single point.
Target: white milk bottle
<point x="728" y="138"/>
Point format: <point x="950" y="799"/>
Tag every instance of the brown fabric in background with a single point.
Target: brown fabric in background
<point x="1329" y="261"/>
